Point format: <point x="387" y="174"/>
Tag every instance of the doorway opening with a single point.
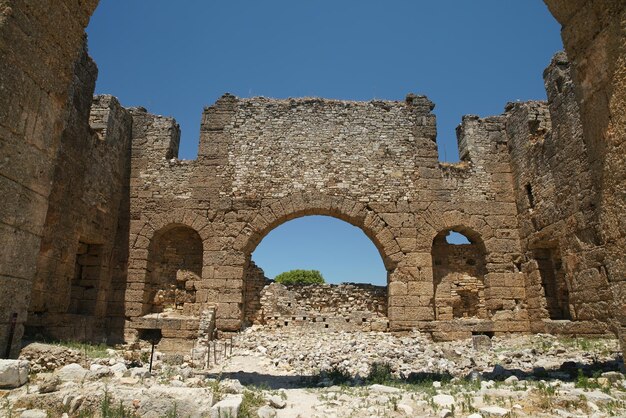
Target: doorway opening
<point x="553" y="282"/>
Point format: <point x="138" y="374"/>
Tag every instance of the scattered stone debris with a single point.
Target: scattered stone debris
<point x="48" y="357"/>
<point x="292" y="374"/>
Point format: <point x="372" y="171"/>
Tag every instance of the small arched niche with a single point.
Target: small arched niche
<point x="174" y="269"/>
<point x="459" y="269"/>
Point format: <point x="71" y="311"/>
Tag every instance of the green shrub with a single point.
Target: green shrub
<point x="252" y="401"/>
<point x="338" y="374"/>
<point x="300" y="277"/>
<point x="380" y="373"/>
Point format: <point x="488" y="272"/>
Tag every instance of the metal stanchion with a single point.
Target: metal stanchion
<point x="207" y="362"/>
<point x="151" y="355"/>
<point x="7" y="353"/>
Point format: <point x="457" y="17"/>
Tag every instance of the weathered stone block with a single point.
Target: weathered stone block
<point x="13" y="373"/>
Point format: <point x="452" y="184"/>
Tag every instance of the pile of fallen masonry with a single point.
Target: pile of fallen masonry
<point x="537" y="376"/>
<point x="293" y="352"/>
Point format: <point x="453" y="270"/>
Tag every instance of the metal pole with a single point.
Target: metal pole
<point x="215" y="353"/>
<point x="231" y="346"/>
<point x="151" y="356"/>
<point x="10" y="336"/>
<point x="207" y="362"/>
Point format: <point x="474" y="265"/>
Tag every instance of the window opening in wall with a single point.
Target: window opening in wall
<point x="530" y="196"/>
<point x="84" y="285"/>
<point x="553" y="282"/>
<point x="456" y="238"/>
<point x="458" y="276"/>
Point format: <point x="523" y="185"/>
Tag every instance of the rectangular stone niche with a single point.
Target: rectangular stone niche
<point x="87" y="268"/>
<point x="553" y="283"/>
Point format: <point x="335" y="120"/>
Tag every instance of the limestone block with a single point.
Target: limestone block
<point x="419" y="313"/>
<point x="34" y="413"/>
<point x="397" y="288"/>
<point x="227" y="407"/>
<point x="73" y="372"/>
<point x="13" y="373"/>
<point x="481" y="342"/>
<point x="444" y="400"/>
<point x="419" y="259"/>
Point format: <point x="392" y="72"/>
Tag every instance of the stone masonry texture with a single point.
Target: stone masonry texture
<point x="103" y="227"/>
<point x="343" y="307"/>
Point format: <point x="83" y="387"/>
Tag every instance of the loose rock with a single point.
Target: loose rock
<point x="13" y="373"/>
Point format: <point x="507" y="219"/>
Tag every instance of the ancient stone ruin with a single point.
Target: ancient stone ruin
<point x="108" y="236"/>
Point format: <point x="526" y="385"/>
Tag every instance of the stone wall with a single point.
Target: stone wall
<point x="82" y="257"/>
<point x="556" y="202"/>
<point x="373" y="164"/>
<point x="37" y="61"/>
<point x="344" y="307"/>
<point x="175" y="267"/>
<point x="459" y="280"/>
<point x="254" y="283"/>
<point x="594" y="36"/>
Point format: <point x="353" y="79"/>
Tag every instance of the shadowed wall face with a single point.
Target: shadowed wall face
<point x="33" y="106"/>
<point x="594" y="36"/>
<point x="81" y="270"/>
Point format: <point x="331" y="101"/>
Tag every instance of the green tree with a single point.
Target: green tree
<point x="300" y="277"/>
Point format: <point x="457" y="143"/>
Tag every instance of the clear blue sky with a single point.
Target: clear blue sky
<point x="469" y="57"/>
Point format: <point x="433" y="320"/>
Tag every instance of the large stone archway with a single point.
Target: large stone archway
<point x="359" y="215"/>
<point x="37" y="99"/>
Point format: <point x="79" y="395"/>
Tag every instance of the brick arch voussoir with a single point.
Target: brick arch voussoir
<point x="296" y="205"/>
<point x="474" y="228"/>
<point x="162" y="223"/>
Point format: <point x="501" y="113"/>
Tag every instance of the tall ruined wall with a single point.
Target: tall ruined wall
<point x="366" y="150"/>
<point x="556" y="200"/>
<point x="82" y="258"/>
<point x="594" y="36"/>
<point x="39" y="45"/>
<point x="374" y="164"/>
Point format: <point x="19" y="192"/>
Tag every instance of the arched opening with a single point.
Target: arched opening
<point x="354" y="296"/>
<point x="174" y="268"/>
<point x="459" y="269"/>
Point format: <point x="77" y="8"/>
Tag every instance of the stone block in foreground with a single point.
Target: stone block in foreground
<point x="13" y="373"/>
<point x="227" y="407"/>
